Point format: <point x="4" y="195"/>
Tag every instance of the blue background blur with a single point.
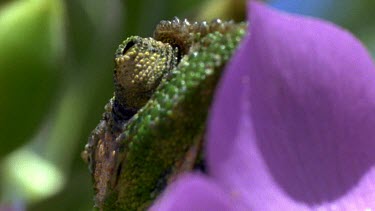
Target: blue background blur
<point x="56" y="62"/>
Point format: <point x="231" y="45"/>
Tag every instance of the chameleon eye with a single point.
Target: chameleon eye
<point x="128" y="46"/>
<point x="141" y="63"/>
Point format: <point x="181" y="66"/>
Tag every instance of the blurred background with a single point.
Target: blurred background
<point x="56" y="62"/>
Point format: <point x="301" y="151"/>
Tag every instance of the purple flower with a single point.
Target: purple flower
<point x="292" y="125"/>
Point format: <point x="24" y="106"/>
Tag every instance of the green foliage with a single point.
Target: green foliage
<point x="30" y="39"/>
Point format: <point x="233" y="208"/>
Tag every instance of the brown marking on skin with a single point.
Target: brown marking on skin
<point x="102" y="156"/>
<point x="106" y="164"/>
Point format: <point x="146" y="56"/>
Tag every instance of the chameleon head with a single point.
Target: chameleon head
<point x="141" y="63"/>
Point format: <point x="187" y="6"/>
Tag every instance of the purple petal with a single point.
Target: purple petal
<point x="193" y="192"/>
<point x="293" y="121"/>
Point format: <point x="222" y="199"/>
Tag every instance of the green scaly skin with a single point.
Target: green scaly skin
<point x="132" y="161"/>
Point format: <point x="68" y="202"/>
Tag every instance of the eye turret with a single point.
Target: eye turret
<point x="141" y="63"/>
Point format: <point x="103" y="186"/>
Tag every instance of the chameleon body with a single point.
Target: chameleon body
<point x="152" y="129"/>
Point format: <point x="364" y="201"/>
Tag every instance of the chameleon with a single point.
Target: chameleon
<point x="152" y="130"/>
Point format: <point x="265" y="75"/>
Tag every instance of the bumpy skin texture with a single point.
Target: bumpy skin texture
<point x="152" y="129"/>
